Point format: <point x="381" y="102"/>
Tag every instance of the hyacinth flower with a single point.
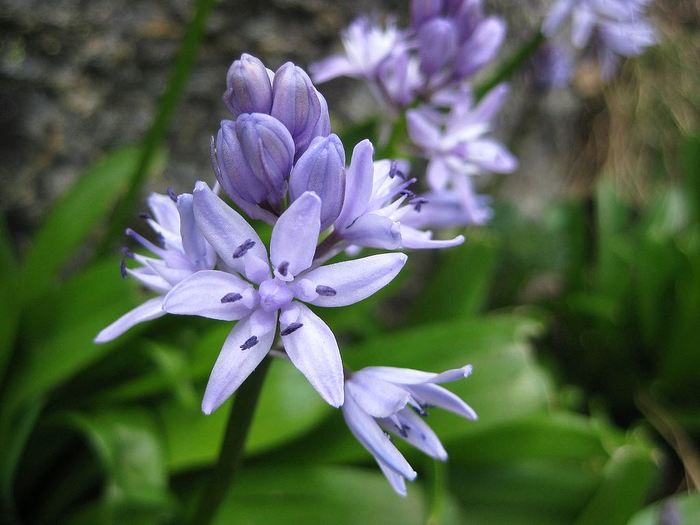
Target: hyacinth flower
<point x="456" y="143"/>
<point x="261" y="293"/>
<point x="376" y="199"/>
<point x="182" y="251"/>
<point x="395" y="400"/>
<point x="614" y="27"/>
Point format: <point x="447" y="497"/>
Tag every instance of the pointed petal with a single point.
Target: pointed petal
<point x="150" y="280"/>
<point x="225" y="230"/>
<point x="199" y="252"/>
<point x="203" y="292"/>
<point x="422" y="130"/>
<point x="164" y="212"/>
<point x="295" y="235"/>
<point x="314" y="351"/>
<point x="373" y="231"/>
<point x="355" y="280"/>
<point x="376" y="397"/>
<point x="414" y="239"/>
<point x="151" y="309"/>
<point x="397" y="481"/>
<point x="371" y="436"/>
<point x="412" y="429"/>
<point x="234" y="365"/>
<point x="332" y="67"/>
<point x="582" y="24"/>
<point x="430" y="394"/>
<point x="490" y="155"/>
<point x="359" y="179"/>
<point x="408" y="376"/>
<point x="439" y="173"/>
<point x="556" y="17"/>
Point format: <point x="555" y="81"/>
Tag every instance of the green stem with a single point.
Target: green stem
<point x="436" y="493"/>
<point x="511" y="65"/>
<point x="166" y="108"/>
<point x="231" y="453"/>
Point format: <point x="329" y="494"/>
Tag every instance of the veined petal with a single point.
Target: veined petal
<point x="225" y="229"/>
<point x="412" y="429"/>
<point x="408" y="376"/>
<point x="373" y="231"/>
<point x="295" y="235"/>
<point x="314" y="351"/>
<point x="359" y="179"/>
<point x="212" y="294"/>
<point x="375" y="396"/>
<point x="171" y="275"/>
<point x="164" y="212"/>
<point x="371" y="436"/>
<point x="234" y="363"/>
<point x="417" y="240"/>
<point x="151" y="309"/>
<point x="151" y="280"/>
<point x="430" y="394"/>
<point x="355" y="280"/>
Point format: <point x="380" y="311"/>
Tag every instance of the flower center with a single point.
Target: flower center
<point x="274" y="294"/>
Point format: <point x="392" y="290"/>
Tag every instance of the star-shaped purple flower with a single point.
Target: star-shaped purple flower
<point x="259" y="293"/>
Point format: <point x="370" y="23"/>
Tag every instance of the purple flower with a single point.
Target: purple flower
<point x="252" y="158"/>
<point x="616" y="27"/>
<point x="183" y="251"/>
<point x="376" y="198"/>
<point x="321" y="169"/>
<point x="456" y="143"/>
<point x="379" y="399"/>
<point x="367" y="45"/>
<point x="259" y="298"/>
<point x="457" y="207"/>
<point x="248" y="87"/>
<point x="551" y="67"/>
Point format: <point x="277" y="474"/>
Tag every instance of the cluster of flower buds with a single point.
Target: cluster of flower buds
<point x="609" y="28"/>
<point x="425" y="72"/>
<point x="278" y="162"/>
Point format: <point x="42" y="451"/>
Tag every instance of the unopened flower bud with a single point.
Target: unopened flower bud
<point x="253" y="158"/>
<point x="437" y="44"/>
<point x="321" y="170"/>
<point x="248" y="87"/>
<point x="295" y="103"/>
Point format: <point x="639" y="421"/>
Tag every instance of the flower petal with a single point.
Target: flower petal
<point x="397" y="481"/>
<point x="164" y="212"/>
<point x="234" y="364"/>
<point x="332" y="67"/>
<point x="353" y="281"/>
<point x="314" y="351"/>
<point x="225" y="229"/>
<point x="490" y="155"/>
<point x="408" y="376"/>
<point x="556" y="17"/>
<point x="422" y="130"/>
<point x="359" y="179"/>
<point x="414" y="239"/>
<point x="412" y="429"/>
<point x="205" y="293"/>
<point x="151" y="309"/>
<point x="430" y="394"/>
<point x="295" y="235"/>
<point x="373" y="231"/>
<point x="376" y="397"/>
<point x="371" y="436"/>
<point x="199" y="252"/>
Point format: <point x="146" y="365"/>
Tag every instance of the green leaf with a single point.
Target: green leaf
<point x="302" y="495"/>
<point x="130" y="452"/>
<point x="288" y="407"/>
<point x="626" y="479"/>
<point x="463" y="275"/>
<point x="79" y="212"/>
<point x="680" y="509"/>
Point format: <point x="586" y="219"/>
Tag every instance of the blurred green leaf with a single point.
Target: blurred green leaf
<point x="130" y="451"/>
<point x="460" y="281"/>
<point x="276" y="495"/>
<point x="78" y="213"/>
<point x="679" y="510"/>
<point x="626" y="480"/>
<point x="288" y="406"/>
<point x="9" y="312"/>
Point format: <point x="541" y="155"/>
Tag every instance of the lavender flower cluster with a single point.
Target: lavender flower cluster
<point x="278" y="161"/>
<point x="425" y="71"/>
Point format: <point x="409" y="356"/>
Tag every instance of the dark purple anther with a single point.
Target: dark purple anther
<point x="394" y="171"/>
<point x="420" y="410"/>
<point x="122" y="268"/>
<point x="408" y="193"/>
<point x="172" y="194"/>
<point x="160" y="239"/>
<point x="283" y="268"/>
<point x="145" y="216"/>
<point x="403" y="430"/>
<point x="126" y="252"/>
<point x="293" y="327"/>
<point x="325" y="291"/>
<point x="243" y="248"/>
<point x="231" y="298"/>
<point x="418" y="202"/>
<point x="250" y="343"/>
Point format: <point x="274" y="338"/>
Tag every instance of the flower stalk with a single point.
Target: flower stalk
<point x="232" y="446"/>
